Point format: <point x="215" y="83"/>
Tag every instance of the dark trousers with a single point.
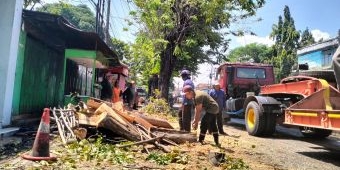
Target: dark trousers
<point x="219" y="122"/>
<point x="184" y="118"/>
<point x="208" y="121"/>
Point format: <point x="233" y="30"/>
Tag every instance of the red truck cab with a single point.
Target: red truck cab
<point x="236" y="79"/>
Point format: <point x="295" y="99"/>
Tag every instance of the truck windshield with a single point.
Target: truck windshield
<point x="251" y="73"/>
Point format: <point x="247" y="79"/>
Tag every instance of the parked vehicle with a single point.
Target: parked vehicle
<point x="305" y="102"/>
<point x="309" y="103"/>
<point x="240" y="79"/>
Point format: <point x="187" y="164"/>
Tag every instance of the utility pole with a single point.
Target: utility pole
<point x="99" y="16"/>
<point x="107" y="34"/>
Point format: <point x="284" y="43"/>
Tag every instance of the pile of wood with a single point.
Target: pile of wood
<point x="133" y="126"/>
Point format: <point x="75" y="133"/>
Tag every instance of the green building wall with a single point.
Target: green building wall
<point x="39" y="77"/>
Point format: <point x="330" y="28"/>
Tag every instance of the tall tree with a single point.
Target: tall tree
<point x="80" y="16"/>
<point x="29" y="4"/>
<point x="143" y="61"/>
<point x="286" y="43"/>
<point x="179" y="29"/>
<point x="122" y="49"/>
<point x="306" y="38"/>
<point x="258" y="53"/>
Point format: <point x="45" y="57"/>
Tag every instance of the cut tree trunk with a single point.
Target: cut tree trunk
<point x="123" y="124"/>
<point x="154" y="121"/>
<point x="178" y="137"/>
<point x="135" y="119"/>
<point x="128" y="131"/>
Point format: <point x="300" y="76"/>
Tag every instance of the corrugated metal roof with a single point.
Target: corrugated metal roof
<point x="319" y="46"/>
<point x="47" y="27"/>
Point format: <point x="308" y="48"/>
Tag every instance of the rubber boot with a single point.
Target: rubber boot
<point x="216" y="139"/>
<point x="201" y="138"/>
<point x="186" y="118"/>
<point x="180" y="119"/>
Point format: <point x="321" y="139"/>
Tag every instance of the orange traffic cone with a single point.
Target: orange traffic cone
<point x="41" y="146"/>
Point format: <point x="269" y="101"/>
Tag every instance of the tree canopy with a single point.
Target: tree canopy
<point x="80" y="16"/>
<point x="286" y="43"/>
<point x="30" y="3"/>
<point x="254" y="52"/>
<point x="306" y="38"/>
<point x="184" y="33"/>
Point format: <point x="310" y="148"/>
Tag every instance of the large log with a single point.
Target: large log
<point x="105" y="108"/>
<point x="135" y="119"/>
<point x="155" y="121"/>
<point x="90" y="119"/>
<point x="121" y="122"/>
<point x="175" y="135"/>
<point x="93" y="104"/>
<point x="127" y="131"/>
<point x="117" y="111"/>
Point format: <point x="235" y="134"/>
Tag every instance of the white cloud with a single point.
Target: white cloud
<point x="248" y="39"/>
<point x="317" y="34"/>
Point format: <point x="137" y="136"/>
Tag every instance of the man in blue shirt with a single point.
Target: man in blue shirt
<point x="219" y="96"/>
<point x="185" y="112"/>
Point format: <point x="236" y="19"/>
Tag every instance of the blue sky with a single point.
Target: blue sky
<point x="314" y="14"/>
<point x="319" y="16"/>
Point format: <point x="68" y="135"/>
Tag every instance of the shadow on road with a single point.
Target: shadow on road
<point x="326" y="150"/>
<point x="324" y="156"/>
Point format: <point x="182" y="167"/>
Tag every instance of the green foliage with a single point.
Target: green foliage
<point x="167" y="158"/>
<point x="143" y="60"/>
<point x="81" y="15"/>
<point x="306" y="38"/>
<point x="185" y="27"/>
<point x="286" y="43"/>
<point x="157" y="106"/>
<point x="259" y="53"/>
<point x="122" y="49"/>
<point x="97" y="151"/>
<point x="30" y="3"/>
<point x="234" y="164"/>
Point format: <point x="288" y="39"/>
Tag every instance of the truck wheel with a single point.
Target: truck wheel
<point x="315" y="132"/>
<point x="270" y="124"/>
<point x="254" y="119"/>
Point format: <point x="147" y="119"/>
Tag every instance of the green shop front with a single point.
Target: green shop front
<point x="54" y="60"/>
<point x="84" y="70"/>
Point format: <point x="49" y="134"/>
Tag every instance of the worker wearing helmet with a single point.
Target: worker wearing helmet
<point x="184" y="114"/>
<point x="336" y="66"/>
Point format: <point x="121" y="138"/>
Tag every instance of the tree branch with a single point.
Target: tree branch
<point x="142" y="142"/>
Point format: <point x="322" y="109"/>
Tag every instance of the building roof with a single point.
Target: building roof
<point x="57" y="32"/>
<point x="319" y="46"/>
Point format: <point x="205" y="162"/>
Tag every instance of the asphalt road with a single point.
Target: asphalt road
<point x="288" y="149"/>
